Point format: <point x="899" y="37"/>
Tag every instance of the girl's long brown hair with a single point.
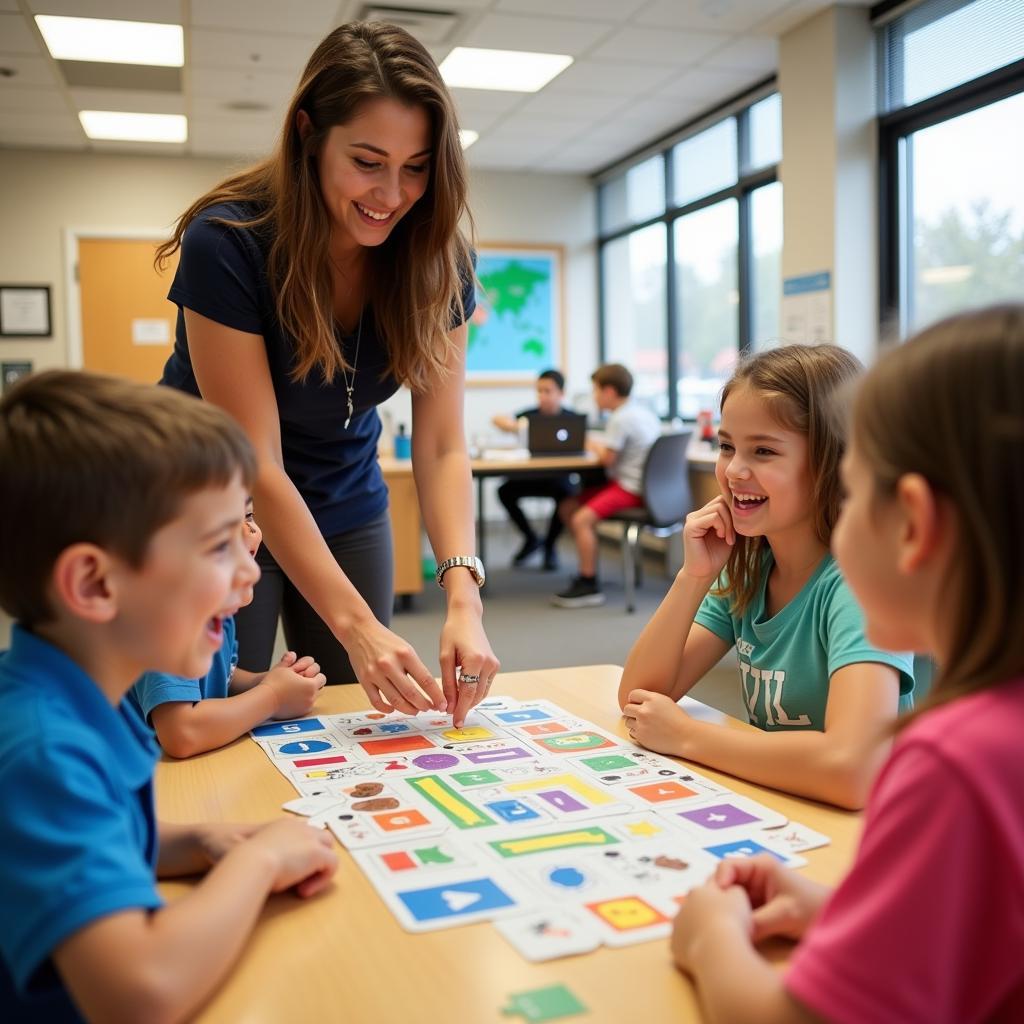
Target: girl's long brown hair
<point x="416" y="277"/>
<point x="798" y="384"/>
<point x="949" y="405"/>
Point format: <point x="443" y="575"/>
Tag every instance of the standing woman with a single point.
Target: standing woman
<point x="309" y="288"/>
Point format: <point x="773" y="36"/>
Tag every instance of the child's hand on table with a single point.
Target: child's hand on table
<point x="296" y="685"/>
<point x="656" y="722"/>
<point x="300" y="857"/>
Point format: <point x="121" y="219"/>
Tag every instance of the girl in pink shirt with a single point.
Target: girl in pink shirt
<point x="929" y="924"/>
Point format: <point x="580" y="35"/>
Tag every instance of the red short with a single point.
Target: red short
<point x="606" y="500"/>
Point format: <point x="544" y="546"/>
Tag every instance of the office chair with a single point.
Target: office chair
<point x="666" y="494"/>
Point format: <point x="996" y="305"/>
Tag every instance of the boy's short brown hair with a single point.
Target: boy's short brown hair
<point x="616" y="376"/>
<point x="95" y="459"/>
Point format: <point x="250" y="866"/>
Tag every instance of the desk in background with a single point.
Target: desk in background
<point x="343" y="956"/>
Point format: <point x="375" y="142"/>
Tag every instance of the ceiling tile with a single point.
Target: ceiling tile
<point x="709" y="15"/>
<point x="711" y="85"/>
<point x="41" y="100"/>
<point x="167" y="12"/>
<point x="122" y="146"/>
<point x="28" y="72"/>
<point x="604" y="10"/>
<point x="747" y="53"/>
<point x="9" y="5"/>
<point x="17" y="36"/>
<point x="253" y="51"/>
<point x="485" y="100"/>
<point x="612" y="78"/>
<point x="568" y="104"/>
<point x="542" y="35"/>
<point x="124" y="100"/>
<point x="523" y="128"/>
<point x="313" y="17"/>
<point x="222" y="137"/>
<point x="29" y="126"/>
<point x="269" y="87"/>
<point x="648" y="44"/>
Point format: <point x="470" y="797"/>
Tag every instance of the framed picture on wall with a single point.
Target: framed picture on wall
<point x="517" y="329"/>
<point x="25" y="311"/>
<point x="11" y="373"/>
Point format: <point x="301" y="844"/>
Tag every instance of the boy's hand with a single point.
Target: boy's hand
<point x="216" y="838"/>
<point x="302" y="857"/>
<point x="708" y="539"/>
<point x="296" y="692"/>
<point x="306" y="666"/>
<point x="784" y="902"/>
<point x="656" y="722"/>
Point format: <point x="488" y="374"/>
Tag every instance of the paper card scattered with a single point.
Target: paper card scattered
<point x="548" y="934"/>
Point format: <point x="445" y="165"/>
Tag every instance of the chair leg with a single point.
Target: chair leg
<point x="628" y="571"/>
<point x="638" y="555"/>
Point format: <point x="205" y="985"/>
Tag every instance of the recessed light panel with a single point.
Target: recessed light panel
<point x="123" y="126"/>
<point x="467" y="67"/>
<point x="113" y="42"/>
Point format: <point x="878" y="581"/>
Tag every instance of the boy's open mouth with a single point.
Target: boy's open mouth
<point x="215" y="628"/>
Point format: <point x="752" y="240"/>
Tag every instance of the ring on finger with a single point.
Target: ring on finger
<point x="468" y="679"/>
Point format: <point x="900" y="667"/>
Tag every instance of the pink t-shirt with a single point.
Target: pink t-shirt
<point x="929" y="924"/>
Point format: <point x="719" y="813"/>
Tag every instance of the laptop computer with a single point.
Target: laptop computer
<point x="562" y="434"/>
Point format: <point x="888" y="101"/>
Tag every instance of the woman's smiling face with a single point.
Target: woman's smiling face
<point x="373" y="169"/>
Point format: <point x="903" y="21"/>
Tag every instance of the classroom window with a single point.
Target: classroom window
<point x="685" y="291"/>
<point x="951" y="147"/>
<point x="633" y="269"/>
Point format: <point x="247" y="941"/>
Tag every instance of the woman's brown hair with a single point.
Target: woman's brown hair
<point x="416" y="276"/>
<point x="798" y="383"/>
<point x="949" y="405"/>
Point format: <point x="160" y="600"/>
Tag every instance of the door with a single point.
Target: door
<point x="127" y="321"/>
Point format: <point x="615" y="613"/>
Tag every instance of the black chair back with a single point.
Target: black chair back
<point x="666" y="481"/>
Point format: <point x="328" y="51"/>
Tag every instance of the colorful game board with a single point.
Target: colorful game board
<point x="565" y="836"/>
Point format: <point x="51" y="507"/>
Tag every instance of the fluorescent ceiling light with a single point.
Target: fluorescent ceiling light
<point x="126" y="127"/>
<point x="467" y="137"/>
<point x="506" y="70"/>
<point x="113" y="42"/>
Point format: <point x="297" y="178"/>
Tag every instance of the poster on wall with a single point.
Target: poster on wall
<point x="24" y="311"/>
<point x="516" y="330"/>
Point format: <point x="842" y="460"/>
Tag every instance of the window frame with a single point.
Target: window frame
<point x="746" y="183"/>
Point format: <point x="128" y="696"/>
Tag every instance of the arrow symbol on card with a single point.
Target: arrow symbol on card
<point x="716" y="817"/>
<point x="456" y="900"/>
<point x="304" y="747"/>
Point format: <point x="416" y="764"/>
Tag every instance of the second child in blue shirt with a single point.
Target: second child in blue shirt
<point x="191" y="716"/>
<point x="758" y="576"/>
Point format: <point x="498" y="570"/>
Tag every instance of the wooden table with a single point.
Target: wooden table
<point x="343" y="956"/>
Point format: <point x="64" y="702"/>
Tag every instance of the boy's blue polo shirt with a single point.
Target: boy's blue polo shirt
<point x="156" y="688"/>
<point x="76" y="801"/>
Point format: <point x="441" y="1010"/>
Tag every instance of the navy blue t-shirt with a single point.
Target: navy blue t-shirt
<point x="222" y="275"/>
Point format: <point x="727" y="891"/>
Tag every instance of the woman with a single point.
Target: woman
<point x="309" y="288"/>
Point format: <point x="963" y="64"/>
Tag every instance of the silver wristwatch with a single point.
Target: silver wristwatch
<point x="471" y="562"/>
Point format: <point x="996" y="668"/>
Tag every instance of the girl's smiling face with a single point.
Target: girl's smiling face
<point x="762" y="468"/>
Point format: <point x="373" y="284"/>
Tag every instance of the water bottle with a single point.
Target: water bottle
<point x="403" y="443"/>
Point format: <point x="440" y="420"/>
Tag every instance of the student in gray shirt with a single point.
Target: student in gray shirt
<point x="630" y="432"/>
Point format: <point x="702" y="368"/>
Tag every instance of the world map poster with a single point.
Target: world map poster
<point x="516" y="330"/>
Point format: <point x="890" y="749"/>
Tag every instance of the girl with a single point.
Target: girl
<point x="822" y="694"/>
<point x="929" y="924"/>
<point x="310" y="287"/>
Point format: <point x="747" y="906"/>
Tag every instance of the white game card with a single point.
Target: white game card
<point x="548" y="934"/>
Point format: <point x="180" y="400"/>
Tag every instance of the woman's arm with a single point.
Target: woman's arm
<point x="836" y="766"/>
<point x="673" y="653"/>
<point x="232" y="371"/>
<point x="444" y="485"/>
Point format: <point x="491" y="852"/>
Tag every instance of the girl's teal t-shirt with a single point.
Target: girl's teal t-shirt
<point x="786" y="661"/>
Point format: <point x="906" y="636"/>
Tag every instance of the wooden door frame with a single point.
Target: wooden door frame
<point x="73" y="303"/>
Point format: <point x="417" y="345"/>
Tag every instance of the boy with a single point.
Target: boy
<point x="550" y="395"/>
<point x="185" y="718"/>
<point x="629" y="434"/>
<point x="120" y="550"/>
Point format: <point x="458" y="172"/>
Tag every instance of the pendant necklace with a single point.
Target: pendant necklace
<point x="350" y="382"/>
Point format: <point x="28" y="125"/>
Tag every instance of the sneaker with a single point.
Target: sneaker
<point x="530" y="545"/>
<point x="580" y="594"/>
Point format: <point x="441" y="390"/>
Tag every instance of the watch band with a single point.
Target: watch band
<point x="470" y="562"/>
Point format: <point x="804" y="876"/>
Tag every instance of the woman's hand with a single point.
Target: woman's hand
<point x="465" y="650"/>
<point x="708" y="538"/>
<point x="390" y="671"/>
<point x="656" y="722"/>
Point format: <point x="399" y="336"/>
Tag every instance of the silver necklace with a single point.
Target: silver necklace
<point x="350" y="383"/>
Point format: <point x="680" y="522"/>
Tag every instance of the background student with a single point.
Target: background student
<point x="629" y="433"/>
<point x="120" y="550"/>
<point x="929" y="924"/>
<point x="822" y="695"/>
<point x="310" y="287"/>
<point x="190" y="716"/>
<point x="550" y="402"/>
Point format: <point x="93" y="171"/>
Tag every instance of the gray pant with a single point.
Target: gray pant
<point x="364" y="555"/>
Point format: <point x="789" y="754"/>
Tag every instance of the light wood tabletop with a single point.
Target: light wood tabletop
<point x="343" y="957"/>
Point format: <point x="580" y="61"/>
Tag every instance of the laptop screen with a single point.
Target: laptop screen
<point x="562" y="434"/>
